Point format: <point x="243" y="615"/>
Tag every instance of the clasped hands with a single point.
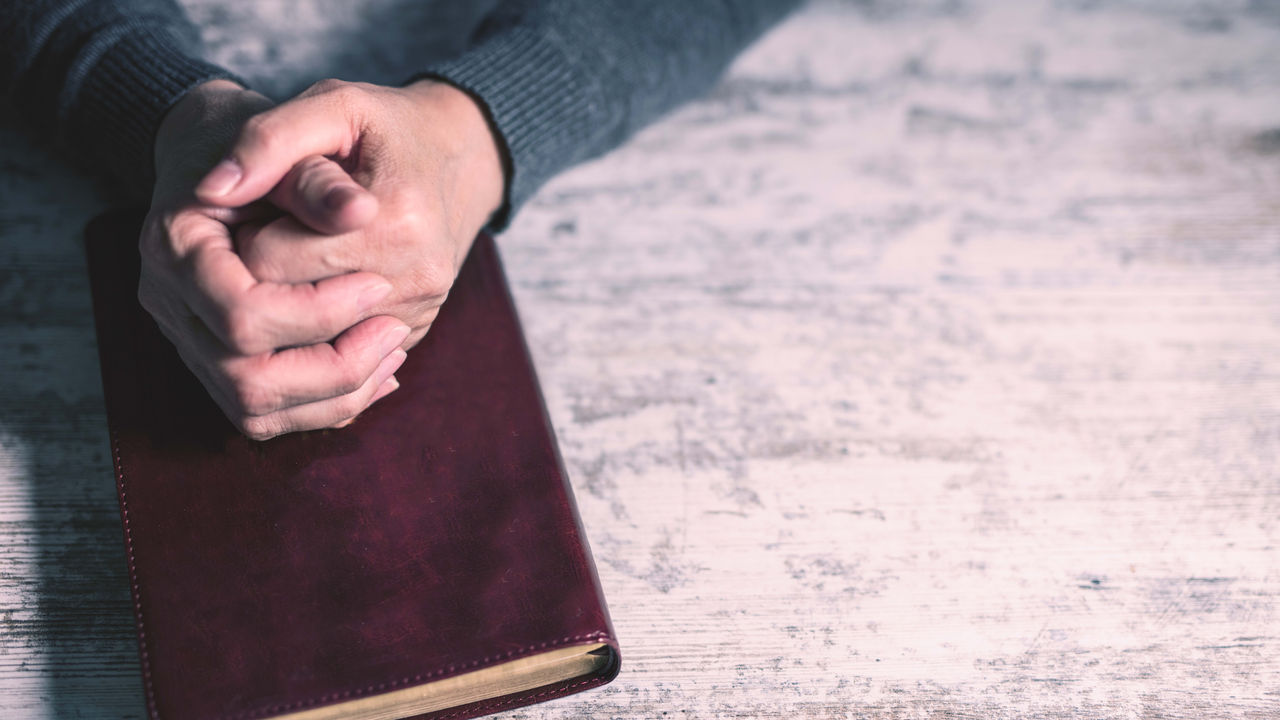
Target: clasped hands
<point x="294" y="253"/>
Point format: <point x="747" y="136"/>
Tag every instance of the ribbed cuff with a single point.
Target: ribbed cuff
<point x="546" y="118"/>
<point x="142" y="71"/>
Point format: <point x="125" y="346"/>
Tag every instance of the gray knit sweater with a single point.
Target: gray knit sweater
<point x="562" y="80"/>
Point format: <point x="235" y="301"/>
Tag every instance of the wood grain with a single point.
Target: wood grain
<point x="927" y="367"/>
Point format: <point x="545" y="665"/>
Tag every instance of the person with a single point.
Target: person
<point x="294" y="252"/>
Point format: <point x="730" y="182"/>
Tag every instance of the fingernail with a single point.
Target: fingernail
<point x="221" y="179"/>
<point x="393" y="338"/>
<point x="387" y="387"/>
<point x="398" y="357"/>
<point x="338" y="197"/>
<point x="391" y="363"/>
<point x="372" y="295"/>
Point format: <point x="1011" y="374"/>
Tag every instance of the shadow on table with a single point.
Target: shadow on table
<point x="71" y="623"/>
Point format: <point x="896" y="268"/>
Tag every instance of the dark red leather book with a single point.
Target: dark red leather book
<point x="426" y="561"/>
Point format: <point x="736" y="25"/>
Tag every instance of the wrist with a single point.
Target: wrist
<point x="471" y="140"/>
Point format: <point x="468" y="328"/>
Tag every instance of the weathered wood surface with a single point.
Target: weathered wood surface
<point x="926" y="368"/>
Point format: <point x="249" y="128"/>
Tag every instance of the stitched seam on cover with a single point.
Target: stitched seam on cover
<point x="487" y="707"/>
<point x="420" y="677"/>
<point x="133" y="580"/>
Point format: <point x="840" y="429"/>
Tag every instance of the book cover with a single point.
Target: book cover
<point x="427" y="560"/>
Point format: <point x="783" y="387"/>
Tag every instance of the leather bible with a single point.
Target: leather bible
<point x="426" y="561"/>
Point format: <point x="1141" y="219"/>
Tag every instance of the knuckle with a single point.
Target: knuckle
<point x="260" y="428"/>
<point x="407" y="225"/>
<point x="253" y="398"/>
<point x="348" y="95"/>
<point x="341" y="92"/>
<point x="437" y="290"/>
<point x="175" y="235"/>
<point x="326" y="85"/>
<point x="337" y="260"/>
<point x="431" y="279"/>
<point x="243" y="331"/>
<point x="433" y="283"/>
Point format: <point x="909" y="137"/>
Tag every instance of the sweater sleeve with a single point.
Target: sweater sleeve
<point x="566" y="80"/>
<point x="96" y="76"/>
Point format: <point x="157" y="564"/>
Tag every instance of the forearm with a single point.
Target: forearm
<point x="97" y="77"/>
<point x="565" y="80"/>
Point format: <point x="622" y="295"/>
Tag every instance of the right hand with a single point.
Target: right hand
<point x="425" y="152"/>
<point x="261" y="349"/>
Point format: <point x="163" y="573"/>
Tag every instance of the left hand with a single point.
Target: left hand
<point x="426" y="154"/>
<point x="260" y="348"/>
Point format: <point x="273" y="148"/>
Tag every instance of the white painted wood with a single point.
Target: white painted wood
<point x="926" y="368"/>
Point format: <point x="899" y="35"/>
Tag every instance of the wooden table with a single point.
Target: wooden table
<point x="928" y="367"/>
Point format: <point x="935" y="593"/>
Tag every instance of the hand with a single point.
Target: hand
<point x="426" y="154"/>
<point x="260" y="348"/>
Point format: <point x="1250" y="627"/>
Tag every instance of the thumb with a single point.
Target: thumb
<point x="321" y="195"/>
<point x="271" y="143"/>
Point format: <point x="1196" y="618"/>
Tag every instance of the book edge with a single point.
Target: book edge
<point x="411" y="701"/>
<point x="604" y="635"/>
<point x="96" y="292"/>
